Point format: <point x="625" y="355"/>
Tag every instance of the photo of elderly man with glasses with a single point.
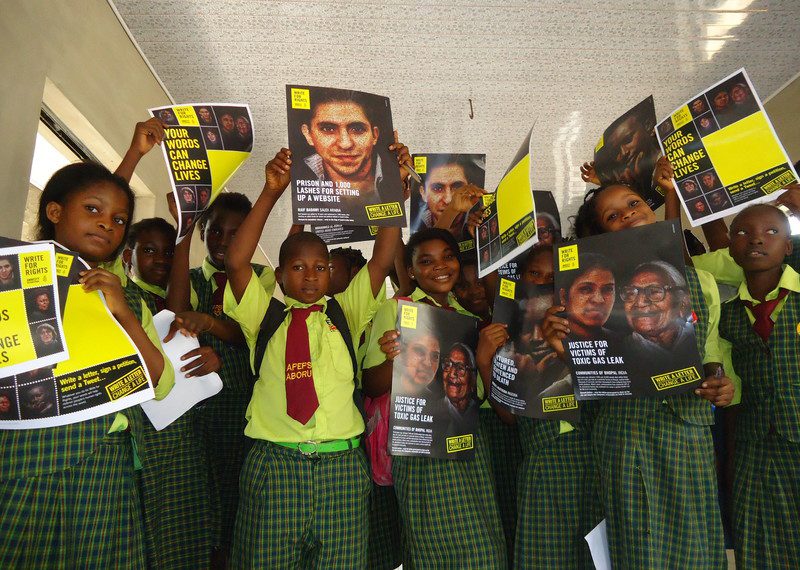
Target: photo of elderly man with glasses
<point x="459" y="379"/>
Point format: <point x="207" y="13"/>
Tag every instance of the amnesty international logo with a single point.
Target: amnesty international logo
<point x="675" y="378"/>
<point x="459" y="443"/>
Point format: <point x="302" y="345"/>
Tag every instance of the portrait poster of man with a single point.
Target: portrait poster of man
<point x="342" y="169"/>
<point x="435" y="394"/>
<point x="528" y="378"/>
<point x="334" y="234"/>
<point x="632" y="327"/>
<point x="724" y="151"/>
<point x="628" y="150"/>
<point x="96" y="380"/>
<point x="204" y="145"/>
<point x="32" y="329"/>
<point x="443" y="174"/>
<point x="548" y="228"/>
<point x="509" y="219"/>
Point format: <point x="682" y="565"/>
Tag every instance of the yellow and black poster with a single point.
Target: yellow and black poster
<point x="98" y="377"/>
<point x="342" y="169"/>
<point x="31" y="329"/>
<point x="204" y="145"/>
<point x="435" y="392"/>
<point x="509" y="219"/>
<point x="724" y="151"/>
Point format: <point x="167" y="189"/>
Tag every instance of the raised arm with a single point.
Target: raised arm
<point x="243" y="246"/>
<point x="146" y="135"/>
<point x="178" y="289"/>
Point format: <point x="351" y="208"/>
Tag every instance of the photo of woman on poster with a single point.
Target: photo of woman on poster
<point x="588" y="295"/>
<point x="419" y="362"/>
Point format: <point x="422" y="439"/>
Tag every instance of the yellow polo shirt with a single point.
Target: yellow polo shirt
<point x="266" y="278"/>
<point x="337" y="416"/>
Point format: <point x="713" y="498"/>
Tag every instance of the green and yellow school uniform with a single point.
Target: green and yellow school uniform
<point x="68" y="497"/>
<point x="173" y="480"/>
<point x="766" y="495"/>
<point x="300" y="508"/>
<point x="655" y="459"/>
<point x="447" y="508"/>
<point x="220" y="420"/>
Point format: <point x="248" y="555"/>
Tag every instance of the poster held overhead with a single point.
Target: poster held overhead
<point x="724" y="151"/>
<point x="204" y="145"/>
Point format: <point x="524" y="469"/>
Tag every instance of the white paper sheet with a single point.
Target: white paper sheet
<point x="598" y="546"/>
<point x="187" y="391"/>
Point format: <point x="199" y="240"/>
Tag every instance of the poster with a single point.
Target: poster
<point x="724" y="151"/>
<point x="337" y="233"/>
<point x="630" y="313"/>
<point x="98" y="378"/>
<point x="442" y="174"/>
<point x="434" y="407"/>
<point x="509" y="220"/>
<point x="204" y="145"/>
<point x="528" y="378"/>
<point x="32" y="331"/>
<point x="342" y="169"/>
<point x="548" y="228"/>
<point x="628" y="151"/>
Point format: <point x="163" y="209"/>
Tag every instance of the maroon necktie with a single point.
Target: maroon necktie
<point x="221" y="279"/>
<point x="301" y="397"/>
<point x="762" y="312"/>
<point x="159" y="302"/>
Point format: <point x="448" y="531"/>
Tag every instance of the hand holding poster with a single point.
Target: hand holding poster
<point x="342" y="169"/>
<point x="204" y="144"/>
<point x="434" y="407"/>
<point x="724" y="151"/>
<point x="630" y="313"/>
<point x="32" y="331"/>
<point x="528" y="378"/>
<point x="628" y="151"/>
<point x="509" y="220"/>
<point x="442" y="175"/>
<point x="97" y="379"/>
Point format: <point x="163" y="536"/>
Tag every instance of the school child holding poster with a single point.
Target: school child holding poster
<point x="761" y="322"/>
<point x="67" y="494"/>
<point x="655" y="455"/>
<point x="448" y="509"/>
<point x="306" y="480"/>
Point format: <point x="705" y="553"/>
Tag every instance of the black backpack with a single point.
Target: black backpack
<point x="276" y="314"/>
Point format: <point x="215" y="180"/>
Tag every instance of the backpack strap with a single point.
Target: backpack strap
<point x="276" y="314"/>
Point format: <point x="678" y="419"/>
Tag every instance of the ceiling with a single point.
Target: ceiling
<point x="568" y="67"/>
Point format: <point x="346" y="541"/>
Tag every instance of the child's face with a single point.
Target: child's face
<point x="435" y="267"/>
<point x="218" y="233"/>
<point x="619" y="208"/>
<point x="305" y="276"/>
<point x="470" y="291"/>
<point x="340" y="276"/>
<point x="760" y="239"/>
<point x="151" y="258"/>
<point x="539" y="269"/>
<point x="92" y="221"/>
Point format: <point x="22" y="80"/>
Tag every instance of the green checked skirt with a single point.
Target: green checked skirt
<point x="302" y="513"/>
<point x="658" y="485"/>
<point x="449" y="514"/>
<point x="766" y="503"/>
<point x="558" y="499"/>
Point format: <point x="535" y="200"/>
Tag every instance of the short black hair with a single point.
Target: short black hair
<point x="150" y="224"/>
<point x="352" y="256"/>
<point x="322" y="95"/>
<point x="298" y="241"/>
<point x="471" y="170"/>
<point x="74" y="178"/>
<point x="586" y="222"/>
<point x="426" y="235"/>
<point x="227" y="201"/>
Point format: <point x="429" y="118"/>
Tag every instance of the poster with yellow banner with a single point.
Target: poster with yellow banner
<point x="98" y="378"/>
<point x="31" y="330"/>
<point x="204" y="145"/>
<point x="509" y="218"/>
<point x="724" y="151"/>
<point x="342" y="169"/>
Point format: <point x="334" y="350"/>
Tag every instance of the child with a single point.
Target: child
<point x="655" y="455"/>
<point x="173" y="480"/>
<point x="196" y="298"/>
<point x="67" y="494"/>
<point x="305" y="481"/>
<point x="762" y="323"/>
<point x="448" y="509"/>
<point x="345" y="263"/>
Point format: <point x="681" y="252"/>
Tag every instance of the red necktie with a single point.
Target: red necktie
<point x="762" y="312"/>
<point x="301" y="397"/>
<point x="221" y="279"/>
